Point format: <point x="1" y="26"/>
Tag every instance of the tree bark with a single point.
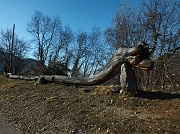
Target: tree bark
<point x="128" y="80"/>
<point x="32" y="78"/>
<point x="122" y="62"/>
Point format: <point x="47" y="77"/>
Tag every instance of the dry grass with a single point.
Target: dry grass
<point x="6" y="83"/>
<point x="54" y="108"/>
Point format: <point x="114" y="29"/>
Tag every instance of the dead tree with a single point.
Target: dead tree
<point x="121" y="62"/>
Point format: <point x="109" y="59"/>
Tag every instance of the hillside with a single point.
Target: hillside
<point x="26" y="63"/>
<point x="61" y="109"/>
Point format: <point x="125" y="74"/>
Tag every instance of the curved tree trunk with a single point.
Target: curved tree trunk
<point x="124" y="58"/>
<point x="136" y="56"/>
<point x="99" y="78"/>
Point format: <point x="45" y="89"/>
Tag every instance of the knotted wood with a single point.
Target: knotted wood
<point x="136" y="57"/>
<point x="128" y="80"/>
<point x="124" y="58"/>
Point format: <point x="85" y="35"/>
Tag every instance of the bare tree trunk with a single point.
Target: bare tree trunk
<point x="11" y="52"/>
<point x="128" y="80"/>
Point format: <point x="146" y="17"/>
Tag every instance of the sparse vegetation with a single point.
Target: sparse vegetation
<point x="54" y="108"/>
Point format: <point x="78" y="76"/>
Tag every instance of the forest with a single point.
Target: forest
<point x="59" y="50"/>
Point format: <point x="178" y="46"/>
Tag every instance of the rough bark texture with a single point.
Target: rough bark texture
<point x="124" y="58"/>
<point x="33" y="78"/>
<point x="136" y="57"/>
<point x="128" y="80"/>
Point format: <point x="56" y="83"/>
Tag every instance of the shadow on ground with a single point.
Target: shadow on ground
<point x="157" y="95"/>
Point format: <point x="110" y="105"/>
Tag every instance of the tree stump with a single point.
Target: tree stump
<point x="128" y="80"/>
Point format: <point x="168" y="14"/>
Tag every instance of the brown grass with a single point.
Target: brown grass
<point x="54" y="108"/>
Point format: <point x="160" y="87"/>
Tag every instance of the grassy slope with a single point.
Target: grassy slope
<point x="54" y="108"/>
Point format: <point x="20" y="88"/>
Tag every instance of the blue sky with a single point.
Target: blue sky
<point x="78" y="14"/>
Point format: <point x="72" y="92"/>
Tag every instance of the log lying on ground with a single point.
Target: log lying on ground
<point x="99" y="78"/>
<point x="128" y="57"/>
<point x="136" y="57"/>
<point x="30" y="78"/>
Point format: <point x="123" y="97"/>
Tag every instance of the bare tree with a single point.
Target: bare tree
<point x="44" y="31"/>
<point x="85" y="53"/>
<point x="18" y="51"/>
<point x="67" y="39"/>
<point x="122" y="32"/>
<point x="160" y="21"/>
<point x="6" y="40"/>
<point x="62" y="49"/>
<point x="79" y="52"/>
<point x="61" y="52"/>
<point x="96" y="56"/>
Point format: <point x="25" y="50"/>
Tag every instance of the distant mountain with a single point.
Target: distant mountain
<point x="27" y="63"/>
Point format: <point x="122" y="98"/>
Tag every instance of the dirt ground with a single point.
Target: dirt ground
<point x="60" y="109"/>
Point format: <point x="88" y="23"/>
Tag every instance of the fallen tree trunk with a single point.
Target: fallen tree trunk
<point x="99" y="78"/>
<point x="124" y="58"/>
<point x="29" y="78"/>
<point x="136" y="57"/>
